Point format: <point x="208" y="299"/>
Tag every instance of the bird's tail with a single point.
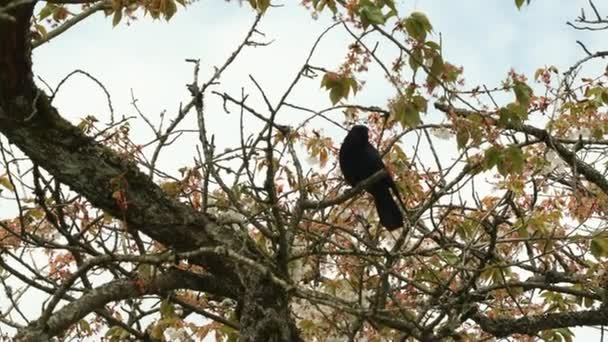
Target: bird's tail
<point x="388" y="211"/>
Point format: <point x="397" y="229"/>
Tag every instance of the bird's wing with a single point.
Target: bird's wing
<point x="370" y="161"/>
<point x="360" y="162"/>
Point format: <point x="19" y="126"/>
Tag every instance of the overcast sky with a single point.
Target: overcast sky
<point x="488" y="38"/>
<point x="148" y="56"/>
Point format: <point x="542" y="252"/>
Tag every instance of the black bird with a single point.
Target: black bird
<point x="358" y="161"/>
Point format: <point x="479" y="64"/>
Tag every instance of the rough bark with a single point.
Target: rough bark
<point x="503" y="327"/>
<point x="261" y="318"/>
<point x="30" y="122"/>
<point x="115" y="291"/>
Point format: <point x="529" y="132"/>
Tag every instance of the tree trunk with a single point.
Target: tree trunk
<point x="29" y="121"/>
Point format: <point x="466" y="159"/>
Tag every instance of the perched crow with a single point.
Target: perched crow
<point x="359" y="160"/>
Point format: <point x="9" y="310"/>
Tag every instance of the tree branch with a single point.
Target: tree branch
<point x="43" y="330"/>
<point x="71" y="22"/>
<point x="591" y="174"/>
<point x="530" y="325"/>
<point x="347" y="194"/>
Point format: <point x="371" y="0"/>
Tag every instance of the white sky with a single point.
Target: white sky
<point x="487" y="37"/>
<point x="148" y="56"/>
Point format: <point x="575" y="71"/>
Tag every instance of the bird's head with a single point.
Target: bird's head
<point x="358" y="134"/>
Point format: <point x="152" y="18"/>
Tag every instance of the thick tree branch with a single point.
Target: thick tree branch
<point x="117" y="186"/>
<point x="531" y="325"/>
<point x="29" y="121"/>
<point x="43" y="330"/>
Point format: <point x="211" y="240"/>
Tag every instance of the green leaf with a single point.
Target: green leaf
<point x="46" y="11"/>
<point x="450" y="72"/>
<point x="492" y="157"/>
<point x="167" y="310"/>
<point x="501" y="167"/>
<point x="352" y="84"/>
<point x="339" y="86"/>
<point x="405" y="112"/>
<point x="417" y="25"/>
<point x="35" y="213"/>
<point x="597" y="133"/>
<point x="599" y="246"/>
<point x="512" y="161"/>
<point x="410" y="90"/>
<point x="6" y="183"/>
<point x="332" y="6"/>
<point x="336" y="94"/>
<point x="155" y="14"/>
<point x="116" y="4"/>
<point x="604" y="96"/>
<point x="587" y="302"/>
<point x="320" y="5"/>
<point x="84" y="326"/>
<point x="420" y="103"/>
<point x="431" y="44"/>
<point x="415" y="59"/>
<point x="407" y="109"/>
<point x="411" y="117"/>
<point x="116" y="333"/>
<point x="41" y="29"/>
<point x="515" y="114"/>
<point x="516" y="157"/>
<point x="260" y="5"/>
<point x="370" y="14"/>
<point x="263" y="5"/>
<point x="437" y="66"/>
<point x="170" y="9"/>
<point x="598" y="94"/>
<point x="435" y="72"/>
<point x="523" y="93"/>
<point x="329" y="79"/>
<point x="462" y="137"/>
<point x="565" y="333"/>
<point x="520" y="3"/>
<point x="117" y="17"/>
